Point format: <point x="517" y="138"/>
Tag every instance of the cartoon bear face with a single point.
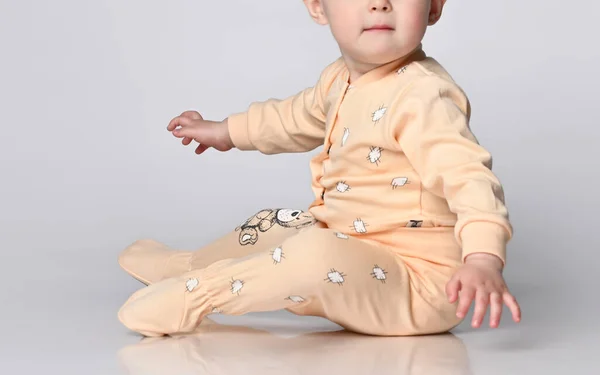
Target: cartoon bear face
<point x="294" y="218"/>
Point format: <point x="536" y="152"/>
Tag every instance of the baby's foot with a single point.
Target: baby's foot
<point x="173" y="305"/>
<point x="150" y="261"/>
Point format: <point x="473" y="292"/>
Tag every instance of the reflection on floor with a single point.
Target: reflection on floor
<point x="221" y="349"/>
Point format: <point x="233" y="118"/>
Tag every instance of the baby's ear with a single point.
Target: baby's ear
<point x="435" y="11"/>
<point x="316" y="12"/>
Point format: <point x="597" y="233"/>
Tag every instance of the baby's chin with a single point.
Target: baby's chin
<point x="379" y="54"/>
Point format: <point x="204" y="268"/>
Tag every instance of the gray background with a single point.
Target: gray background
<point x="86" y="164"/>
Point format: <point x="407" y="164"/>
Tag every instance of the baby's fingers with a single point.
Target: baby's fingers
<point x="481" y="303"/>
<point x="495" y="309"/>
<point x="192" y="114"/>
<point x="190" y="132"/>
<point x="512" y="304"/>
<point x="201" y="148"/>
<point x="466" y="297"/>
<point x="452" y="288"/>
<point x="179" y="121"/>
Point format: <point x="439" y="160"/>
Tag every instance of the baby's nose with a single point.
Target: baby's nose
<point x="380" y="5"/>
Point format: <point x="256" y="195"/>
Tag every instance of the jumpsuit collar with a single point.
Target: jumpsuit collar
<point x="385" y="69"/>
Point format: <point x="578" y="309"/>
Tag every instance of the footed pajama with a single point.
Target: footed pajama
<point x="389" y="284"/>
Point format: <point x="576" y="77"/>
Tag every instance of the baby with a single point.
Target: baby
<point x="407" y="214"/>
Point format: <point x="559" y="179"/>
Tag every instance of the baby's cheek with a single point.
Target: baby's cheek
<point x="413" y="21"/>
<point x="346" y="22"/>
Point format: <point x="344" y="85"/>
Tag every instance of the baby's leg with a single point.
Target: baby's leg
<point x="150" y="261"/>
<point x="361" y="286"/>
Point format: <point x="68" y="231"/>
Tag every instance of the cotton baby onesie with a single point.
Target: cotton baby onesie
<point x="403" y="192"/>
<point x="398" y="151"/>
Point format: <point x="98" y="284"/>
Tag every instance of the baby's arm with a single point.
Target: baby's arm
<point x="432" y="129"/>
<point x="295" y="124"/>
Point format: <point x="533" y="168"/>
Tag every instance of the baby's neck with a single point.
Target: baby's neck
<point x="357" y="69"/>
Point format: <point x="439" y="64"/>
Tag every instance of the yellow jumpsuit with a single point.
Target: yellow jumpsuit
<point x="403" y="193"/>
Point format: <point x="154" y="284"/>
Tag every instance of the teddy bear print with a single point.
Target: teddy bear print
<point x="266" y="219"/>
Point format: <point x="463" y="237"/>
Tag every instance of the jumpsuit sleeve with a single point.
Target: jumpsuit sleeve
<point x="432" y="129"/>
<point x="294" y="124"/>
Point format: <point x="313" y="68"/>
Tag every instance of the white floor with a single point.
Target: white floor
<point x="58" y="320"/>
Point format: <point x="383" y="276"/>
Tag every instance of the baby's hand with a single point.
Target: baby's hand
<point x="480" y="278"/>
<point x="191" y="126"/>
